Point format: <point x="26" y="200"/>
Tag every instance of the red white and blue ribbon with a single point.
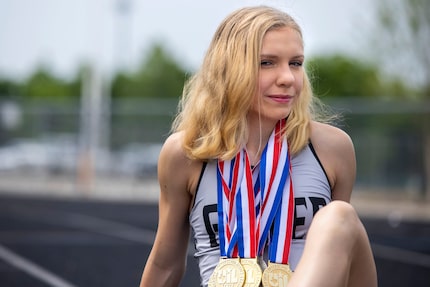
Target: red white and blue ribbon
<point x="228" y="174"/>
<point x="275" y="183"/>
<point x="246" y="214"/>
<point x="280" y="241"/>
<point x="248" y="205"/>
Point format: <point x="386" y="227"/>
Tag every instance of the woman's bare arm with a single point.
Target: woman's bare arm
<point x="166" y="263"/>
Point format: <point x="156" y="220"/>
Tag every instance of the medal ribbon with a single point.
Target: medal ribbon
<point x="246" y="215"/>
<point x="274" y="182"/>
<point x="228" y="174"/>
<point x="279" y="248"/>
<point x="247" y="206"/>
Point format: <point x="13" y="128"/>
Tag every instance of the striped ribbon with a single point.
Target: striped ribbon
<point x="274" y="183"/>
<point x="248" y="205"/>
<point x="228" y="174"/>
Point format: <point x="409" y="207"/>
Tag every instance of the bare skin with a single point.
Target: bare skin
<point x="178" y="178"/>
<point x="337" y="251"/>
<point x="343" y="248"/>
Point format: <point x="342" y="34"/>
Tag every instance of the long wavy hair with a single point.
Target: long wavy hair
<point x="215" y="101"/>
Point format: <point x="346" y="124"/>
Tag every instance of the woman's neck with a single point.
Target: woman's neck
<point x="258" y="136"/>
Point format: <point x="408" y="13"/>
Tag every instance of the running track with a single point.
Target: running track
<point x="79" y="243"/>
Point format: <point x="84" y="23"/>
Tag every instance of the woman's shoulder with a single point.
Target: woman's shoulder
<point x="173" y="144"/>
<point x="174" y="164"/>
<point x="329" y="136"/>
<point x="173" y="150"/>
<point x="336" y="152"/>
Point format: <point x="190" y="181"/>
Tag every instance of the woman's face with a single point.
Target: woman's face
<point x="280" y="79"/>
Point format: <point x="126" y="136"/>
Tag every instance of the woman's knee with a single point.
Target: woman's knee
<point x="340" y="217"/>
<point x="339" y="208"/>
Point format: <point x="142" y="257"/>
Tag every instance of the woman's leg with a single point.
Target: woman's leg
<point x="337" y="251"/>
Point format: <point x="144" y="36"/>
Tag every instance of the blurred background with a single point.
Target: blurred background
<point x="88" y="90"/>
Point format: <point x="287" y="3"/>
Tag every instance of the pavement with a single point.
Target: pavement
<point x="393" y="205"/>
<point x="44" y="239"/>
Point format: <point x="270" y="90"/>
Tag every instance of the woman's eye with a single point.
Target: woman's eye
<point x="265" y="63"/>
<point x="296" y="63"/>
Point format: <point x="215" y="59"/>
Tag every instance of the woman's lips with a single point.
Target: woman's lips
<point x="281" y="98"/>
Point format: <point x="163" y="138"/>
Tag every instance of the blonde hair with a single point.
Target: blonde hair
<point x="216" y="100"/>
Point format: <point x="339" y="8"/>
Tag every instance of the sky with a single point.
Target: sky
<point x="62" y="34"/>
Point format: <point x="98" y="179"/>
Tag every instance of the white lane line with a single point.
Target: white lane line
<point x="32" y="269"/>
<point x="115" y="229"/>
<point x="111" y="228"/>
<point x="401" y="255"/>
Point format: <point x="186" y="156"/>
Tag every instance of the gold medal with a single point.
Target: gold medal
<point x="253" y="272"/>
<point x="228" y="272"/>
<point x="276" y="275"/>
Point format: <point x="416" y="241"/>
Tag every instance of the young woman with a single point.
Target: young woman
<point x="250" y="169"/>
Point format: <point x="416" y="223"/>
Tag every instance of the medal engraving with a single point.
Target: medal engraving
<point x="229" y="273"/>
<point x="276" y="275"/>
<point x="253" y="272"/>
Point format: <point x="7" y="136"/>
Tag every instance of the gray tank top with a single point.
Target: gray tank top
<point x="311" y="192"/>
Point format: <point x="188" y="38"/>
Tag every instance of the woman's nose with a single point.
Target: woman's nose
<point x="285" y="76"/>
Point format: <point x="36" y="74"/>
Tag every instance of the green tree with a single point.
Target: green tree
<point x="8" y="88"/>
<point x="403" y="35"/>
<point x="44" y="85"/>
<point x="159" y="76"/>
<point x="342" y="76"/>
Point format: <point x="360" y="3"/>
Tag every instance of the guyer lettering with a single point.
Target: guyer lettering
<point x="301" y="209"/>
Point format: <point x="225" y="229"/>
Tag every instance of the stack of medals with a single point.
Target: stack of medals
<point x="278" y="273"/>
<point x="248" y="207"/>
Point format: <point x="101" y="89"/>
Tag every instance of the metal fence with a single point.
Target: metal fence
<point x="392" y="140"/>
